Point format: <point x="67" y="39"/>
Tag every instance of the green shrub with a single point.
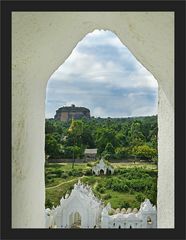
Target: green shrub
<point x="89" y="165"/>
<point x="98" y="195"/>
<point x="51" y="175"/>
<point x="140" y="197"/>
<point x="57" y="172"/>
<point x="76" y="173"/>
<point x="125" y="204"/>
<point x="106" y="196"/>
<point x="117" y="171"/>
<point x="102" y="190"/>
<point x="99" y="186"/>
<point x="88" y="172"/>
<point x="107" y="156"/>
<point x="70" y="188"/>
<point x="131" y="191"/>
<point x="89" y="181"/>
<point x="125" y="188"/>
<point x="48" y="203"/>
<point x="122" y="152"/>
<point x="64" y="175"/>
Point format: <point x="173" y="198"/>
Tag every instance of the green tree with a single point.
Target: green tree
<point x="87" y="137"/>
<point x="52" y="147"/>
<point x="104" y="136"/>
<point x="109" y="148"/>
<point x="136" y="136"/>
<point x="74" y="132"/>
<point x="121" y="139"/>
<point x="122" y="152"/>
<point x="144" y="151"/>
<point x="109" y="151"/>
<point x="124" y="134"/>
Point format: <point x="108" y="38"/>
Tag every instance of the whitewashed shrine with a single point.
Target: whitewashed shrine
<point x="102" y="168"/>
<point x="81" y="209"/>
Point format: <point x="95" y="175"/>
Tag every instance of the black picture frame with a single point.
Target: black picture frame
<point x="179" y="8"/>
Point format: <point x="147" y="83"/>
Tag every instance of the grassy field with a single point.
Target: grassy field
<point x="130" y="184"/>
<point x="55" y="173"/>
<point x="149" y="166"/>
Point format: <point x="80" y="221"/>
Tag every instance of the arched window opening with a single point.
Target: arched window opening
<point x="104" y="101"/>
<point x="30" y="81"/>
<point x="101" y="172"/>
<point x="149" y="220"/>
<point x="75" y="220"/>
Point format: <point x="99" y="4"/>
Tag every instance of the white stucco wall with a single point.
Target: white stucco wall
<point x="41" y="41"/>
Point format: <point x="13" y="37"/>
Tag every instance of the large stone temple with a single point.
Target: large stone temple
<point x="67" y="113"/>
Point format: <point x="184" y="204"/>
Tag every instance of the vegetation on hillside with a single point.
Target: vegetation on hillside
<point x="114" y="138"/>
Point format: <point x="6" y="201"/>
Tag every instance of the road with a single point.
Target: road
<point x="65" y="183"/>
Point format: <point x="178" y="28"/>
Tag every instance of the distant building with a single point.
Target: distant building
<point x="102" y="168"/>
<point x="67" y="113"/>
<point x="90" y="154"/>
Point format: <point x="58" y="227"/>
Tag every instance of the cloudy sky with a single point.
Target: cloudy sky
<point x="102" y="75"/>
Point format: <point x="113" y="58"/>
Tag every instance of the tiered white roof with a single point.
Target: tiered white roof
<point x="102" y="166"/>
<point x="147" y="206"/>
<point x="84" y="193"/>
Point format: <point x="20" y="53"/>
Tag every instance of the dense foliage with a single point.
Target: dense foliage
<point x="128" y="187"/>
<point x="114" y="138"/>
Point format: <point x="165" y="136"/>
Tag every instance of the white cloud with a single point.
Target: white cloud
<point x="92" y="79"/>
<point x="98" y="111"/>
<point x="87" y="66"/>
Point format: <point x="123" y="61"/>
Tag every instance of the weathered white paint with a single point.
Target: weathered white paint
<point x="41" y="41"/>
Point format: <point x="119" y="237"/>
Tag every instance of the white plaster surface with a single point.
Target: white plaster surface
<point x="41" y="41"/>
<point x="82" y="201"/>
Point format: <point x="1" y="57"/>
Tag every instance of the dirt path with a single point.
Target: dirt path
<point x="64" y="183"/>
